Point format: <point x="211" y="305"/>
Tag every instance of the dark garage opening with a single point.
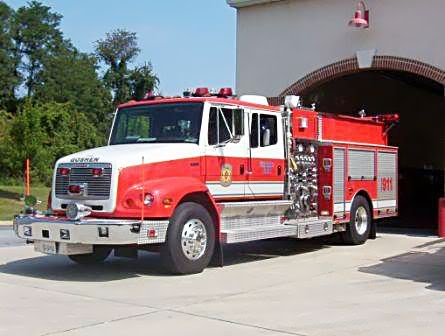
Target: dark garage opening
<point x="420" y="134"/>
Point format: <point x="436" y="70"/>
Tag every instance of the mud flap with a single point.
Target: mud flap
<point x="373" y="231"/>
<point x="218" y="255"/>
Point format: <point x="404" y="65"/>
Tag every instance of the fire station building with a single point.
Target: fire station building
<point x="346" y="56"/>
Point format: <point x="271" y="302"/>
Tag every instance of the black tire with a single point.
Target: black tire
<point x="100" y="253"/>
<point x="174" y="257"/>
<point x="359" y="227"/>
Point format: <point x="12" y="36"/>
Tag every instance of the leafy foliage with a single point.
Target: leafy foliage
<point x="44" y="132"/>
<point x="142" y="80"/>
<point x="117" y="50"/>
<point x="36" y="33"/>
<point x="67" y="105"/>
<point x="9" y="60"/>
<point x="70" y="76"/>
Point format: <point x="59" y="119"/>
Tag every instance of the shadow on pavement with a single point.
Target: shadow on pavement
<point x="9" y="195"/>
<point x="60" y="268"/>
<point x="267" y="249"/>
<point x="427" y="265"/>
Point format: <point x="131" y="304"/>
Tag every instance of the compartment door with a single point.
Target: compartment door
<point x="339" y="182"/>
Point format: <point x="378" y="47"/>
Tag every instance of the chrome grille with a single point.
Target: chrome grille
<point x="80" y="173"/>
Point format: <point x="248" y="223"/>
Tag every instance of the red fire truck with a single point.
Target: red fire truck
<point x="186" y="175"/>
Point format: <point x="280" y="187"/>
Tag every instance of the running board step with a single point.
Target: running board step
<point x="254" y="208"/>
<point x="298" y="230"/>
<point x="257" y="233"/>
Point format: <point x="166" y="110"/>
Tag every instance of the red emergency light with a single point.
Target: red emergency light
<point x="202" y="92"/>
<point x="361" y="17"/>
<point x="225" y="92"/>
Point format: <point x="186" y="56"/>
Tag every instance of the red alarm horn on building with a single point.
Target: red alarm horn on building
<point x="361" y="17"/>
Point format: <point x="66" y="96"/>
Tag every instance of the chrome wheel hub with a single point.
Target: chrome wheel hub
<point x="194" y="239"/>
<point x="361" y="220"/>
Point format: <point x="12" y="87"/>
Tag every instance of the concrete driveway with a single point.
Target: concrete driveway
<point x="394" y="285"/>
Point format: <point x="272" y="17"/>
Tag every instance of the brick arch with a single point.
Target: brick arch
<point x="350" y="65"/>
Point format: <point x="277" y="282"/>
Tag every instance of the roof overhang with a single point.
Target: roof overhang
<point x="246" y="3"/>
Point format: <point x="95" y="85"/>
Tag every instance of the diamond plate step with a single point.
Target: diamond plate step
<point x="258" y="233"/>
<point x="254" y="209"/>
<point x="298" y="229"/>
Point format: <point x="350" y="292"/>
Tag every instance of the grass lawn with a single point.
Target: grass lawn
<point x="10" y="203"/>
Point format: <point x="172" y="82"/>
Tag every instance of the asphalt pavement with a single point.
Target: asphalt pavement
<point x="394" y="285"/>
<point x="8" y="237"/>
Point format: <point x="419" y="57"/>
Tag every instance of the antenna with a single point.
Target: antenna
<point x="143" y="192"/>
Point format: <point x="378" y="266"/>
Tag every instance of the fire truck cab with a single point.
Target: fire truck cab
<point x="186" y="175"/>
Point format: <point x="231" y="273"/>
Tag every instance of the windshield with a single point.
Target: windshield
<point x="163" y="123"/>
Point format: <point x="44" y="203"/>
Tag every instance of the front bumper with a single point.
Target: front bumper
<point x="90" y="230"/>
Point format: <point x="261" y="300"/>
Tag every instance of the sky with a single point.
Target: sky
<point x="190" y="43"/>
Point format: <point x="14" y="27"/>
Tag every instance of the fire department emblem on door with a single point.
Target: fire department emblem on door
<point x="226" y="175"/>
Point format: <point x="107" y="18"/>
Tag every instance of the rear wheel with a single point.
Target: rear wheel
<point x="190" y="240"/>
<point x="100" y="253"/>
<point x="357" y="232"/>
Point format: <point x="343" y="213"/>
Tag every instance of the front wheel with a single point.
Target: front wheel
<point x="100" y="253"/>
<point x="358" y="229"/>
<point x="190" y="240"/>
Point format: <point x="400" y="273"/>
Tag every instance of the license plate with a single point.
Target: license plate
<point x="45" y="247"/>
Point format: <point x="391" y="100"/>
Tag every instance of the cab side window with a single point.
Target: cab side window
<point x="225" y="120"/>
<point x="263" y="133"/>
<point x="213" y="124"/>
<point x="224" y="124"/>
<point x="268" y="130"/>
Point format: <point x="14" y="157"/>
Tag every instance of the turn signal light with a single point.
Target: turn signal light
<point x="64" y="171"/>
<point x="167" y="202"/>
<point x="97" y="172"/>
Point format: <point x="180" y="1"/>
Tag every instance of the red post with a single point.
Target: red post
<point x="441" y="228"/>
<point x="27" y="178"/>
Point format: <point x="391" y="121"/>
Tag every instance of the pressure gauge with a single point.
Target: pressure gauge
<point x="312" y="148"/>
<point x="300" y="148"/>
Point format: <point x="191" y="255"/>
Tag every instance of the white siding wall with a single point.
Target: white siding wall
<point x="280" y="42"/>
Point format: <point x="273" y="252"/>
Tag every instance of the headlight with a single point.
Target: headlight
<point x="75" y="211"/>
<point x="148" y="199"/>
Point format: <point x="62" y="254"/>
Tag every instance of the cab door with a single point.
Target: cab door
<point x="226" y="153"/>
<point x="267" y="161"/>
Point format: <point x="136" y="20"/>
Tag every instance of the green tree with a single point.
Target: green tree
<point x="71" y="76"/>
<point x="117" y="51"/>
<point x="142" y="80"/>
<point x="36" y="34"/>
<point x="9" y="60"/>
<point x="44" y="132"/>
